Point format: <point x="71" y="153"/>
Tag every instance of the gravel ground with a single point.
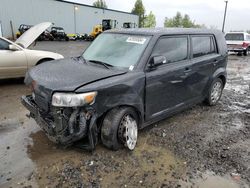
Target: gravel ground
<point x="200" y="147"/>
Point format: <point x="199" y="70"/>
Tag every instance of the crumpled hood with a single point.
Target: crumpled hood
<point x="66" y="75"/>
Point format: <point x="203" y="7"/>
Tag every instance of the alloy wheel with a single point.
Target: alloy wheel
<point x="216" y="91"/>
<point x="128" y="131"/>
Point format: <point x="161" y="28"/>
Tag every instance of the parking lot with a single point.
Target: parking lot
<point x="200" y="147"/>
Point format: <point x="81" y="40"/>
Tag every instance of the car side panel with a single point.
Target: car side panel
<point x="34" y="56"/>
<point x="12" y="64"/>
<point x="203" y="68"/>
<point x="219" y="70"/>
<point x="167" y="88"/>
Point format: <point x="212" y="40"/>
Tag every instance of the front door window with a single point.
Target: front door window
<point x="4" y="45"/>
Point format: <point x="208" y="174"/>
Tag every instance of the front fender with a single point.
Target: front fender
<point x="34" y="56"/>
<point x="122" y="90"/>
<point x="125" y="97"/>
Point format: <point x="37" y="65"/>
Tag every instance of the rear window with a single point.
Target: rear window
<point x="235" y="36"/>
<point x="203" y="45"/>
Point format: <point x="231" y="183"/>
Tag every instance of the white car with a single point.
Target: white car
<point x="238" y="42"/>
<point x="16" y="59"/>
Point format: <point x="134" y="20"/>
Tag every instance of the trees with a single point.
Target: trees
<point x="100" y="4"/>
<point x="180" y="21"/>
<point x="150" y="20"/>
<point x="144" y="20"/>
<point x="177" y="20"/>
<point x="140" y="11"/>
<point x="186" y="22"/>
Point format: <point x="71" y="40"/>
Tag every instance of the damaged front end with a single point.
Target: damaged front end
<point x="65" y="125"/>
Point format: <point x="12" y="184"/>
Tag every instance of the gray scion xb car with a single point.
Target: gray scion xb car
<point x="125" y="80"/>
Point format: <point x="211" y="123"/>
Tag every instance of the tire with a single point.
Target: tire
<point x="113" y="128"/>
<point x="215" y="92"/>
<point x="40" y="38"/>
<point x="245" y="52"/>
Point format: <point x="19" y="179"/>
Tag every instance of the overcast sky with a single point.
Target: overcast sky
<point x="208" y="12"/>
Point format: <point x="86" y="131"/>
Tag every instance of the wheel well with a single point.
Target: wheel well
<point x="100" y="119"/>
<point x="223" y="79"/>
<point x="44" y="60"/>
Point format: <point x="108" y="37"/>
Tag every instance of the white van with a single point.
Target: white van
<point x="238" y="42"/>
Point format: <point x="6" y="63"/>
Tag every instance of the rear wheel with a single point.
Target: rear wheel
<point x="120" y="128"/>
<point x="215" y="92"/>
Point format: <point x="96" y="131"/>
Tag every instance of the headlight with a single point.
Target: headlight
<point x="73" y="99"/>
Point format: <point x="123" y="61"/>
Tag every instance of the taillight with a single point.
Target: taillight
<point x="245" y="44"/>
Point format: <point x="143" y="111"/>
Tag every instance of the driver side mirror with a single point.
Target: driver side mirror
<point x="13" y="47"/>
<point x="157" y="61"/>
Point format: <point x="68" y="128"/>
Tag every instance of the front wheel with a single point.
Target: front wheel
<point x="215" y="92"/>
<point x="120" y="128"/>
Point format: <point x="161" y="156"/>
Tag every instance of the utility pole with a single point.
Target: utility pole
<point x="225" y="13"/>
<point x="75" y="9"/>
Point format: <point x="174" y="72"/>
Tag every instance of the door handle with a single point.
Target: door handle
<point x="215" y="62"/>
<point x="187" y="70"/>
<point x="186" y="73"/>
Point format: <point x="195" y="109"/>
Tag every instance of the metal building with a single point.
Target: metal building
<point x="73" y="17"/>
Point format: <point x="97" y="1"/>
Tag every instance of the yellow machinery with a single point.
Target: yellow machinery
<point x="18" y="34"/>
<point x="98" y="29"/>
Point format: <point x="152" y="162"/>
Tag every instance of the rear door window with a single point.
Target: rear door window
<point x="173" y="48"/>
<point x="203" y="45"/>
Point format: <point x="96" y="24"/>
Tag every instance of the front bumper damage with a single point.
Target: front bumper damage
<point x="65" y="125"/>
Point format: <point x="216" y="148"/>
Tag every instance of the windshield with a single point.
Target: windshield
<point x="118" y="50"/>
<point x="235" y="36"/>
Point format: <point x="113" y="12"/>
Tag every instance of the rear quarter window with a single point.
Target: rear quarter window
<point x="203" y="45"/>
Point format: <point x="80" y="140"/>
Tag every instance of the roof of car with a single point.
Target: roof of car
<point x="164" y="31"/>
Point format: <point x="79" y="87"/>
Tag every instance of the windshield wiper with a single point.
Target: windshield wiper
<point x="83" y="59"/>
<point x="101" y="63"/>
